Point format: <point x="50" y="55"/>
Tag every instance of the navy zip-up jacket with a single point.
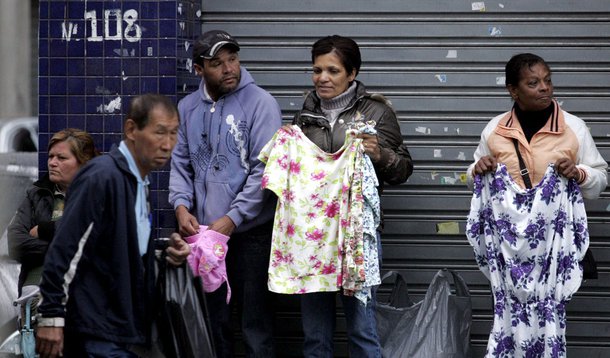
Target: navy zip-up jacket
<point x="94" y="275"/>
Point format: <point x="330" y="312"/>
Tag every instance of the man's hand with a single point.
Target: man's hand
<point x="224" y="225"/>
<point x="567" y="168"/>
<point x="485" y="165"/>
<point x="178" y="250"/>
<point x="187" y="223"/>
<point x="371" y="146"/>
<point x="50" y="341"/>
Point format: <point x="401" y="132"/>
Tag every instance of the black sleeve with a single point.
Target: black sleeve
<point x="46" y="230"/>
<point x="395" y="165"/>
<point x="23" y="247"/>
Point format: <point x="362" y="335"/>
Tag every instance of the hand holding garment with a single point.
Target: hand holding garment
<point x="207" y="259"/>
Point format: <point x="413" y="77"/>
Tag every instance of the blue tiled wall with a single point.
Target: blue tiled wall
<point x="96" y="55"/>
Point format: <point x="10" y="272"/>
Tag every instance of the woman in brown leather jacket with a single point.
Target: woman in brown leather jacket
<point x="337" y="101"/>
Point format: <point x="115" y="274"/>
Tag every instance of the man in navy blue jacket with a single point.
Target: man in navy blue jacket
<point x="98" y="279"/>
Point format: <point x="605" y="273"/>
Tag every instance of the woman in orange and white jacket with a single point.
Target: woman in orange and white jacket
<point x="544" y="132"/>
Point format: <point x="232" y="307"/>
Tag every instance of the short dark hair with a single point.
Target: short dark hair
<point x="141" y="106"/>
<point x="518" y="63"/>
<point x="346" y="49"/>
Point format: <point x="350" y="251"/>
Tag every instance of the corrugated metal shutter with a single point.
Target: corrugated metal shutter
<point x="442" y="63"/>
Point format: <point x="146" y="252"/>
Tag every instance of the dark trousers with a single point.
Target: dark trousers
<point x="80" y="346"/>
<point x="247" y="265"/>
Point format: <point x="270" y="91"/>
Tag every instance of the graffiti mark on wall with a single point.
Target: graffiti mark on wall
<point x="112" y="107"/>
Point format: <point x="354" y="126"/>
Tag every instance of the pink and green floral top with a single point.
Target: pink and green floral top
<point x="314" y="222"/>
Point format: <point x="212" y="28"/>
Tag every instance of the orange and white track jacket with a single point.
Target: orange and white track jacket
<point x="563" y="135"/>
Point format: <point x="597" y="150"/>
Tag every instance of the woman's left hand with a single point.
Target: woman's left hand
<point x="567" y="168"/>
<point x="34" y="232"/>
<point x="371" y="146"/>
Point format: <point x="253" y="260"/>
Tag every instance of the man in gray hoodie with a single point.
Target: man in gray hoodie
<point x="215" y="181"/>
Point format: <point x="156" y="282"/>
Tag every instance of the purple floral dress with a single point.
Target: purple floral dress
<point x="528" y="242"/>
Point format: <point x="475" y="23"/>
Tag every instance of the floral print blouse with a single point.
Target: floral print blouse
<point x="528" y="242"/>
<point x="317" y="243"/>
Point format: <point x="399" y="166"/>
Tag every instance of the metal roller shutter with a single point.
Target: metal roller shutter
<point x="441" y="63"/>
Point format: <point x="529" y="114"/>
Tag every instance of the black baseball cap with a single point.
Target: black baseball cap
<point x="207" y="45"/>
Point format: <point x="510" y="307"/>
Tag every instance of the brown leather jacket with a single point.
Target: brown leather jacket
<point x="395" y="165"/>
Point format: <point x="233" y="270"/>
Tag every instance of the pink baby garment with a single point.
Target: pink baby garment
<point x="207" y="259"/>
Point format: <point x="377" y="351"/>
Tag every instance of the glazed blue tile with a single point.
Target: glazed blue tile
<point x="131" y="49"/>
<point x="98" y="7"/>
<point x="149" y="48"/>
<point x="57" y="104"/>
<point x="167" y="66"/>
<point x="94" y="49"/>
<point x="167" y="85"/>
<point x="94" y="85"/>
<point x="126" y="100"/>
<point x="56" y="28"/>
<point x="149" y="85"/>
<point x="167" y="10"/>
<point x="131" y="66"/>
<point x="58" y="85"/>
<point x="110" y="140"/>
<point x="58" y="10"/>
<point x="43" y="85"/>
<point x="167" y="28"/>
<point x="94" y="123"/>
<point x="76" y="48"/>
<point x="43" y="124"/>
<point x="150" y="29"/>
<point x="131" y="5"/>
<point x="76" y="66"/>
<point x="149" y="10"/>
<point x="93" y="103"/>
<point x="149" y="67"/>
<point x="76" y="121"/>
<point x="167" y="47"/>
<point x="131" y="86"/>
<point x="57" y="122"/>
<point x="43" y="105"/>
<point x="76" y="104"/>
<point x="77" y="86"/>
<point x="113" y="124"/>
<point x="43" y="47"/>
<point x="98" y="140"/>
<point x="108" y="99"/>
<point x="43" y="10"/>
<point x="163" y="179"/>
<point x="57" y="48"/>
<point x="113" y="85"/>
<point x="43" y="66"/>
<point x="76" y="10"/>
<point x="94" y="66"/>
<point x="43" y="29"/>
<point x="112" y="66"/>
<point x="73" y="30"/>
<point x="58" y="66"/>
<point x="112" y="48"/>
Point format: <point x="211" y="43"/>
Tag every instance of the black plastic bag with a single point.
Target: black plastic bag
<point x="589" y="266"/>
<point x="437" y="326"/>
<point x="182" y="323"/>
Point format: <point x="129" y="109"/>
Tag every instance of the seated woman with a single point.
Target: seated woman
<point x="33" y="226"/>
